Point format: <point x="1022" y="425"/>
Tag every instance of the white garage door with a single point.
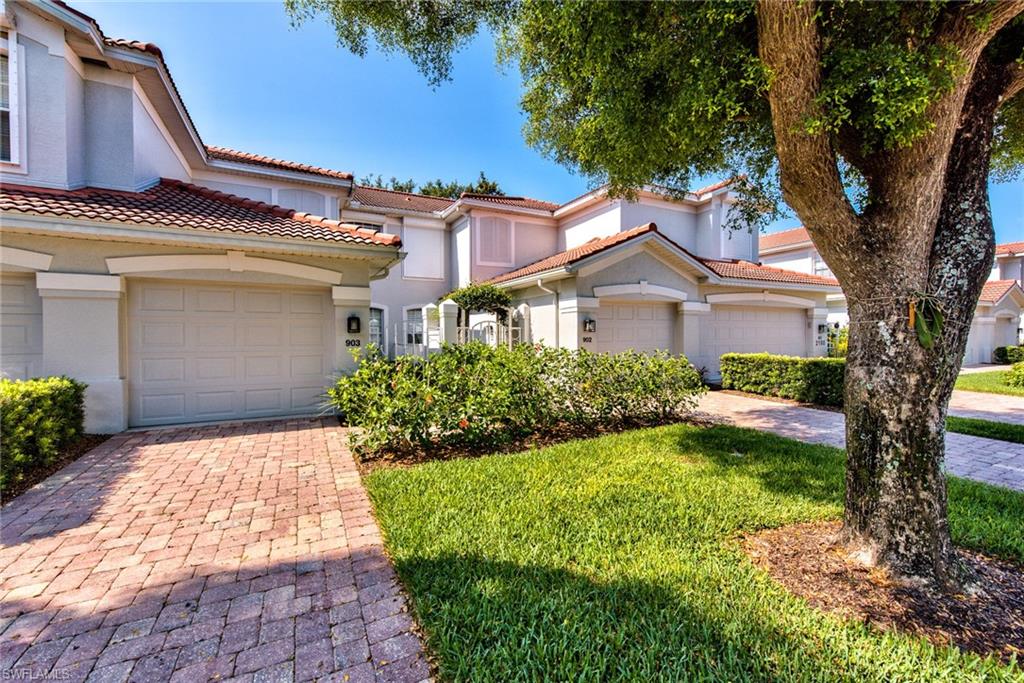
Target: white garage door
<point x="752" y="329"/>
<point x="21" y="331"/>
<point x="200" y="352"/>
<point x="642" y="327"/>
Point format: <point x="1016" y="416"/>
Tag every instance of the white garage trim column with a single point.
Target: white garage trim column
<point x="817" y="340"/>
<point x="571" y="311"/>
<point x="349" y="302"/>
<point x="82" y="338"/>
<point x="686" y="337"/>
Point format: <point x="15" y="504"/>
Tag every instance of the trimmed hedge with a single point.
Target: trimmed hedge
<point x="38" y="418"/>
<point x="1015" y="377"/>
<point x="811" y="380"/>
<point x="1008" y="355"/>
<point x="475" y="396"/>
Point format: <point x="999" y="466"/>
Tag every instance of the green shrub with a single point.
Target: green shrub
<point x="38" y="418"/>
<point x="812" y="380"/>
<point x="477" y="396"/>
<point x="1008" y="354"/>
<point x="1015" y="377"/>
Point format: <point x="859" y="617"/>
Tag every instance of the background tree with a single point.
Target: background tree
<point x="435" y="188"/>
<point x="910" y="102"/>
<point x="394" y="183"/>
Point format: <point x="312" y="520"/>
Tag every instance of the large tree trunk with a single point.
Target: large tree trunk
<point x="897" y="391"/>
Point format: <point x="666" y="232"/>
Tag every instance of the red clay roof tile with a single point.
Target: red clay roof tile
<point x="726" y="268"/>
<point x="392" y="199"/>
<point x="176" y="204"/>
<point x="784" y="238"/>
<point x="517" y="202"/>
<point x="226" y="154"/>
<point x="1010" y="248"/>
<point x="994" y="290"/>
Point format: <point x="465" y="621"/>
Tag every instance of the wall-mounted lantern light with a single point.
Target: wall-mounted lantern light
<point x="589" y="325"/>
<point x="822" y="329"/>
<point x="353" y="324"/>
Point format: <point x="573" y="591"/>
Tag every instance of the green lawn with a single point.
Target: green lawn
<point x="989" y="382"/>
<point x="615" y="559"/>
<point x="1003" y="431"/>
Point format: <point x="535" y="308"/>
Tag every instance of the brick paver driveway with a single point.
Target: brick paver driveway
<point x="245" y="552"/>
<point x="987" y="460"/>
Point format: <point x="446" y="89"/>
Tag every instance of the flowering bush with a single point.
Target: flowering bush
<point x="476" y="396"/>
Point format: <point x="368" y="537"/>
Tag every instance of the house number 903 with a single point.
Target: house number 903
<point x="352" y="342"/>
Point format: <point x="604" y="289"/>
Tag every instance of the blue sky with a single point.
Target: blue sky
<point x="252" y="82"/>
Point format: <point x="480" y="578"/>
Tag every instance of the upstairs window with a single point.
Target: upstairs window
<point x="9" y="97"/>
<point x="821" y="268"/>
<point x="494" y="241"/>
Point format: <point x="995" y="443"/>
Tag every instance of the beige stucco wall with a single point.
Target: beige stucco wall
<point x="83" y="318"/>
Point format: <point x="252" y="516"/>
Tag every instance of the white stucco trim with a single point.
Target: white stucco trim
<point x="352" y="294"/>
<point x="760" y="298"/>
<point x="235" y="261"/>
<point x="642" y="288"/>
<point x="78" y="282"/>
<point x="23" y="258"/>
<point x="694" y="308"/>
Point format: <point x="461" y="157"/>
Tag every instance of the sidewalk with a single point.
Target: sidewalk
<point x="986" y="460"/>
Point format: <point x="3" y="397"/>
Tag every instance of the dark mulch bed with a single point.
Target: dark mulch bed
<point x="70" y="454"/>
<point x="806" y="560"/>
<point x="368" y="464"/>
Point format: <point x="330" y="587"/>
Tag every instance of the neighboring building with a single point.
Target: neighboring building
<point x="655" y="272"/>
<point x="166" y="274"/>
<point x="153" y="267"/>
<point x="997" y="320"/>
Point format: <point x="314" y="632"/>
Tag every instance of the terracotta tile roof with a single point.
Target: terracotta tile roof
<point x="392" y="199"/>
<point x="175" y="204"/>
<point x="517" y="202"/>
<point x="1010" y="248"/>
<point x="714" y="186"/>
<point x="746" y="270"/>
<point x="225" y="154"/>
<point x="726" y="268"/>
<point x="994" y="290"/>
<point x="784" y="238"/>
<point x="575" y="254"/>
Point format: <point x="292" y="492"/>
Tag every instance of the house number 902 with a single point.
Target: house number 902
<point x="587" y="340"/>
<point x="352" y="342"/>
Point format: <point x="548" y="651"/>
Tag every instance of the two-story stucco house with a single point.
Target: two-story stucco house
<point x="186" y="283"/>
<point x="997" y="320"/>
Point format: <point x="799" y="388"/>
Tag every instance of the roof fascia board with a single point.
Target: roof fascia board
<point x="771" y="284"/>
<point x="559" y="273"/>
<point x="492" y="206"/>
<point x="52" y="225"/>
<point x="278" y="174"/>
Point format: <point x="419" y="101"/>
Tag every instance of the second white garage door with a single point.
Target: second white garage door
<point x="752" y="329"/>
<point x="205" y="351"/>
<point x="642" y="327"/>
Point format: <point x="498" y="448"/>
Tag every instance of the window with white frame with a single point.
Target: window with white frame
<point x="9" y="97"/>
<point x="377" y="327"/>
<point x="414" y="326"/>
<point x="494" y="241"/>
<point x="821" y="268"/>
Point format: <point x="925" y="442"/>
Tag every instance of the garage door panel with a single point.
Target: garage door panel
<point x="739" y="329"/>
<point x="215" y="301"/>
<point x="641" y="327"/>
<point x="234" y="352"/>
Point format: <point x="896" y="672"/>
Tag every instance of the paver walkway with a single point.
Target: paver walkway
<point x="987" y="460"/>
<point x="241" y="552"/>
<point x="995" y="407"/>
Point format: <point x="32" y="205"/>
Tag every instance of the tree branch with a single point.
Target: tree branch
<point x="789" y="44"/>
<point x="1015" y="84"/>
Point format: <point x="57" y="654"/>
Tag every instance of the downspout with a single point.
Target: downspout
<point x="558" y="310"/>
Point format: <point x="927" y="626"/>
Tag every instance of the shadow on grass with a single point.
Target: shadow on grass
<point x="501" y="621"/>
<point x="782" y="465"/>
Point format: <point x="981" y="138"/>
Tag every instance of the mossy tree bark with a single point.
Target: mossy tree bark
<point x="926" y="228"/>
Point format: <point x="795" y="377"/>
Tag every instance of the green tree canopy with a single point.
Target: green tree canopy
<point x="451" y="189"/>
<point x="915" y="104"/>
